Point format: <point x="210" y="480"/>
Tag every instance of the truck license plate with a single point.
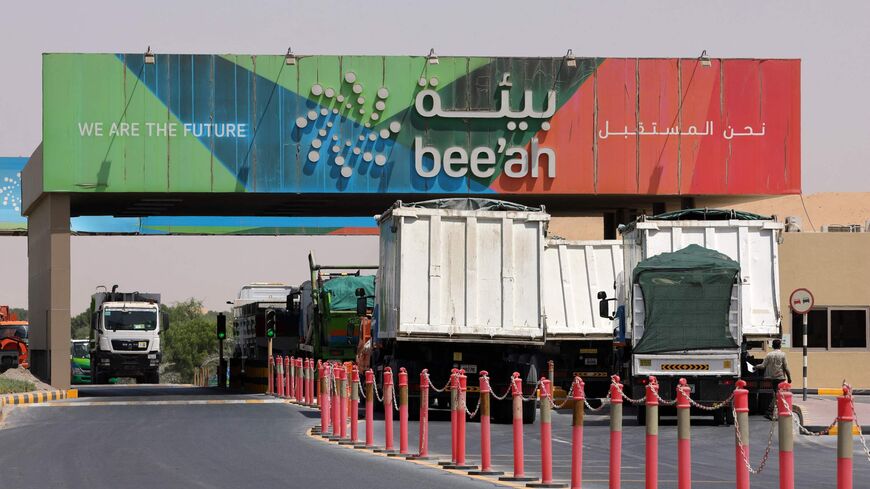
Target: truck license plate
<point x="469" y="368"/>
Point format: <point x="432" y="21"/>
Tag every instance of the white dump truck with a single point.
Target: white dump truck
<point x="579" y="340"/>
<point x="125" y="336"/>
<point x="697" y="284"/>
<point x="459" y="286"/>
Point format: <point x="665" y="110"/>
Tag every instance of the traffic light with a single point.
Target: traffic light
<point x="270" y="323"/>
<point x="221" y="326"/>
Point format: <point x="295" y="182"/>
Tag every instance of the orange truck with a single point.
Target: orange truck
<point x="13" y="341"/>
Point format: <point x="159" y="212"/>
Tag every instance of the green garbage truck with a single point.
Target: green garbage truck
<point x="330" y="314"/>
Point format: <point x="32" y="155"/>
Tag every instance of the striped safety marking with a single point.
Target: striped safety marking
<point x="685" y="366"/>
<point x="39" y="397"/>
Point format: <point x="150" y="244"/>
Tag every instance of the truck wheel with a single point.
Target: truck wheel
<point x="502" y="411"/>
<point x="152" y="378"/>
<point x="413" y="408"/>
<point x="100" y="378"/>
<point x="641" y="415"/>
<point x="529" y="412"/>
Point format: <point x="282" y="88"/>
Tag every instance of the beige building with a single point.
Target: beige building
<point x="834" y="266"/>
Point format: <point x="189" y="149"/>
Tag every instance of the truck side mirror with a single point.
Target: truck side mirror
<point x="361" y="302"/>
<point x="603" y="306"/>
<point x="164" y="319"/>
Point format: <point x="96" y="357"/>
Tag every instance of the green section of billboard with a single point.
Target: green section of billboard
<point x="82" y="91"/>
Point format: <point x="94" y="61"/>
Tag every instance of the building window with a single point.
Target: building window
<point x="817" y="329"/>
<point x="848" y="328"/>
<point x="833" y="327"/>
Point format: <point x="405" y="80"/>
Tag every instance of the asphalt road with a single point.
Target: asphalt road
<point x="130" y="437"/>
<point x="145" y="445"/>
<point x="713" y="452"/>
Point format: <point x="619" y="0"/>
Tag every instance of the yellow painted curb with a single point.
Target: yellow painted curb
<point x="830" y="392"/>
<point x="835" y="429"/>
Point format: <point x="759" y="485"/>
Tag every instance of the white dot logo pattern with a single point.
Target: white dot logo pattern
<point x="366" y="146"/>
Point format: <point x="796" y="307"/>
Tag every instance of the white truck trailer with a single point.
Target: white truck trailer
<point x="579" y="340"/>
<point x="697" y="283"/>
<point x="459" y="286"/>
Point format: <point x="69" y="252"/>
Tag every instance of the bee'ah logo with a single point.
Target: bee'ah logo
<point x="337" y="137"/>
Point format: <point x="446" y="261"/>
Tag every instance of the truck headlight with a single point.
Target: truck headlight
<point x="152" y="355"/>
<point x="105" y="361"/>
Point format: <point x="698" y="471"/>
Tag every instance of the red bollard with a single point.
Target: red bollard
<point x="684" y="440"/>
<point x="454" y="420"/>
<point x="354" y="405"/>
<point x="336" y="401"/>
<point x="519" y="463"/>
<point x="615" y="433"/>
<point x="270" y="368"/>
<point x="453" y="388"/>
<point x="403" y="411"/>
<point x="319" y="382"/>
<point x="485" y="441"/>
<point x="461" y="388"/>
<point x="288" y="376"/>
<point x="325" y="411"/>
<point x="299" y="380"/>
<point x="291" y="373"/>
<point x="423" y="449"/>
<point x="786" y="436"/>
<point x="741" y="436"/>
<point x="388" y="412"/>
<point x="342" y="395"/>
<point x="370" y="409"/>
<point x="309" y="383"/>
<point x="651" y="404"/>
<point x="546" y="438"/>
<point x="289" y="381"/>
<point x="845" y="443"/>
<point x="279" y="375"/>
<point x="579" y="396"/>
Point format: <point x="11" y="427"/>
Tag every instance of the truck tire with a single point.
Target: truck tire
<point x="413" y="408"/>
<point x="99" y="378"/>
<point x="529" y="412"/>
<point x="502" y="411"/>
<point x="152" y="378"/>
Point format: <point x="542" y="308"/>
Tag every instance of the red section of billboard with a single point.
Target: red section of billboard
<point x="677" y="126"/>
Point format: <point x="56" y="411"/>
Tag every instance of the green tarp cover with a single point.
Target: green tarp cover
<point x="708" y="215"/>
<point x="686" y="296"/>
<point x="342" y="291"/>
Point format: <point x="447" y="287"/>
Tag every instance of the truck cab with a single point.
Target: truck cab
<point x="125" y="340"/>
<point x="80" y="362"/>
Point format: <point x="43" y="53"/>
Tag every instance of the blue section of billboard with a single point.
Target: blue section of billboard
<point x="12" y="222"/>
<point x="11" y="219"/>
<point x="213" y="88"/>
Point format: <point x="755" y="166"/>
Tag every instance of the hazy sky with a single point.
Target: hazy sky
<point x="831" y="38"/>
<point x="211" y="268"/>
